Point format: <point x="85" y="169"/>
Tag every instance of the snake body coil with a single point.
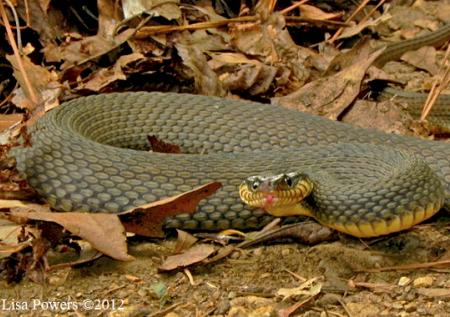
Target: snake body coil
<point x="367" y="183"/>
<point x="76" y="163"/>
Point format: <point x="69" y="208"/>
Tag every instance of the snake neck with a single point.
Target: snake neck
<point x="299" y="209"/>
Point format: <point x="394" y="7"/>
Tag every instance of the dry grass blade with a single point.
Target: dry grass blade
<point x="358" y="9"/>
<point x="440" y="83"/>
<point x="12" y="42"/>
<point x="407" y="267"/>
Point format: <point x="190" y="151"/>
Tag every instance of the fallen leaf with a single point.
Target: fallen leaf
<point x="28" y="258"/>
<point x="167" y="9"/>
<point x="103" y="231"/>
<point x="385" y="116"/>
<point x="272" y="44"/>
<point x="9" y="238"/>
<point x="148" y="220"/>
<point x="310" y="233"/>
<point x="158" y="145"/>
<point x="221" y="253"/>
<point x="5" y="203"/>
<point x="250" y="78"/>
<point x="76" y="52"/>
<point x="329" y="96"/>
<point x="357" y="28"/>
<point x="84" y="258"/>
<point x="423" y="58"/>
<point x="106" y="76"/>
<point x="206" y="81"/>
<point x="193" y="255"/>
<point x="185" y="241"/>
<point x="43" y="81"/>
<point x="50" y="25"/>
<point x="345" y="59"/>
<point x="309" y="288"/>
<point x="310" y="12"/>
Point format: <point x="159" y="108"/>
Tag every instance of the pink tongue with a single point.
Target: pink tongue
<point x="270" y="199"/>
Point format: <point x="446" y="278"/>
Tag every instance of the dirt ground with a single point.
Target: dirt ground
<point x="340" y="278"/>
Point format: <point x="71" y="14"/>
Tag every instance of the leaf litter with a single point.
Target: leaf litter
<point x="230" y="52"/>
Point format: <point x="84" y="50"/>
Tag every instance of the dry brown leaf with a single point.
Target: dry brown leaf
<point x="423" y="58"/>
<point x="109" y="14"/>
<point x="106" y="76"/>
<point x="385" y="116"/>
<point x="329" y="96"/>
<point x="86" y="257"/>
<point x="358" y="52"/>
<point x="9" y="238"/>
<point x="148" y="220"/>
<point x="272" y="44"/>
<point x="39" y="76"/>
<point x="5" y="203"/>
<point x="158" y="145"/>
<point x="191" y="256"/>
<point x="185" y="241"/>
<point x="42" y="80"/>
<point x="221" y="253"/>
<point x="167" y="9"/>
<point x="311" y="12"/>
<point x="356" y="29"/>
<point x="103" y="231"/>
<point x="254" y="79"/>
<point x="206" y="81"/>
<point x="76" y="51"/>
<point x="48" y="24"/>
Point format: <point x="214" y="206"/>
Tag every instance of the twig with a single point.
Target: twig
<point x="372" y="11"/>
<point x="158" y="29"/>
<point x="13" y="44"/>
<point x="294" y="6"/>
<point x="16" y="20"/>
<point x="344" y="306"/>
<point x="438" y="86"/>
<point x="358" y="9"/>
<point x="413" y="266"/>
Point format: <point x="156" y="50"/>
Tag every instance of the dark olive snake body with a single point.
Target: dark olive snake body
<point x="73" y="164"/>
<point x="363" y="176"/>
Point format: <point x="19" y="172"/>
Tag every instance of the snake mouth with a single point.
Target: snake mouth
<point x="278" y="194"/>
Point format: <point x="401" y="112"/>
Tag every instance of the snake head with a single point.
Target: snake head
<point x="275" y="191"/>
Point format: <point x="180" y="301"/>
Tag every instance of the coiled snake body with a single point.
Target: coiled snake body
<point x="367" y="182"/>
<point x="76" y="164"/>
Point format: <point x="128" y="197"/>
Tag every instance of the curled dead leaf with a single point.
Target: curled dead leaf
<point x="191" y="256"/>
<point x="148" y="220"/>
<point x="103" y="231"/>
<point x="329" y="96"/>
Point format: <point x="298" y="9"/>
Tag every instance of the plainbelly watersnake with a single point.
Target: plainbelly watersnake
<point x="82" y="158"/>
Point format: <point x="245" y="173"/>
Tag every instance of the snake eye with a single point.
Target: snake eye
<point x="253" y="183"/>
<point x="288" y="181"/>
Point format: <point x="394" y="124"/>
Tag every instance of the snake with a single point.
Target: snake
<point x="91" y="154"/>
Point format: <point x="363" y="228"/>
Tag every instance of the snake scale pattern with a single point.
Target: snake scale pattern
<point x="74" y="164"/>
<point x="84" y="157"/>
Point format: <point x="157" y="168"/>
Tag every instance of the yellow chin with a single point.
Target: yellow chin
<point x="289" y="210"/>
